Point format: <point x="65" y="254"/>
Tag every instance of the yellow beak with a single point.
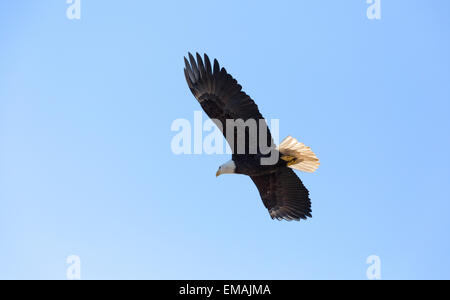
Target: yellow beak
<point x="218" y="173"/>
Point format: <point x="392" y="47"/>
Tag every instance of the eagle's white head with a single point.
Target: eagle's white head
<point x="227" y="168"/>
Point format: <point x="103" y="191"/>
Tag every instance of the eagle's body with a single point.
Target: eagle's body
<point x="245" y="165"/>
<point x="222" y="98"/>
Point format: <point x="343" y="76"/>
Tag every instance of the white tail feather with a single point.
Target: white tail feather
<point x="304" y="158"/>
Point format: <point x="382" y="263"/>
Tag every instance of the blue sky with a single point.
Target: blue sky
<point x="86" y="166"/>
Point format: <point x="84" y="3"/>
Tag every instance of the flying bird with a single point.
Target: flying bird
<point x="222" y="99"/>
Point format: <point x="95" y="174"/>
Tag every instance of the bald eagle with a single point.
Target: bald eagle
<point x="223" y="100"/>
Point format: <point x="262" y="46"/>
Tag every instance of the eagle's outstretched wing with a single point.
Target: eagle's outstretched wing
<point x="284" y="195"/>
<point x="220" y="96"/>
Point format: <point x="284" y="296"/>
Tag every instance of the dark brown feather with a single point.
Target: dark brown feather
<point x="284" y="195"/>
<point x="219" y="94"/>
